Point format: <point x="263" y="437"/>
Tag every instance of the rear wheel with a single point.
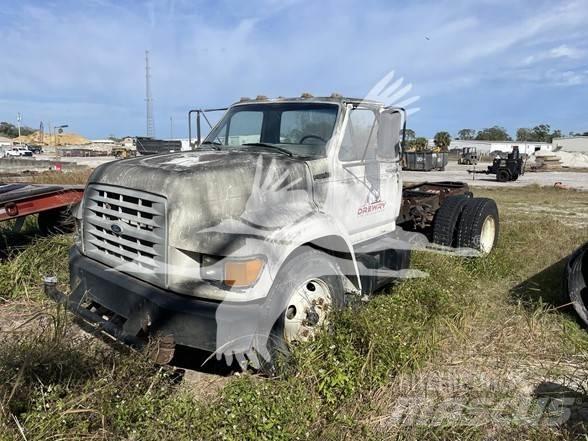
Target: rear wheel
<point x="479" y="225"/>
<point x="503" y="175"/>
<point x="446" y="220"/>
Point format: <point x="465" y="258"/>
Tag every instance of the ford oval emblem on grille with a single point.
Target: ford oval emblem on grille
<point x="116" y="229"/>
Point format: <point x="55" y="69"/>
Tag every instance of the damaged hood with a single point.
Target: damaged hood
<point x="212" y="194"/>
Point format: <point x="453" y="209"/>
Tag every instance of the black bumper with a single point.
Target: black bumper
<point x="146" y="309"/>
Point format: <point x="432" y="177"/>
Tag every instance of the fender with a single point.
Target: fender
<point x="323" y="232"/>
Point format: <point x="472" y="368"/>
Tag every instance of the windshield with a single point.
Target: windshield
<point x="302" y="129"/>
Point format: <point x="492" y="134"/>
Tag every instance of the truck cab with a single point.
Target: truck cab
<point x="246" y="244"/>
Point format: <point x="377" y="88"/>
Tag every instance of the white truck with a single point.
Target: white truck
<point x="18" y="151"/>
<point x="244" y="245"/>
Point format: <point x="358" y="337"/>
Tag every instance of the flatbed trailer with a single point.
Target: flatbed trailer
<point x="52" y="203"/>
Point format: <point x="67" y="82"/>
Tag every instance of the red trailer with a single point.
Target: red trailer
<point x="53" y="204"/>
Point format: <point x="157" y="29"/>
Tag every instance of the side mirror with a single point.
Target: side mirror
<point x="390" y="135"/>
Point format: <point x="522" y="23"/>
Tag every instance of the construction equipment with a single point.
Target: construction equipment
<point x="508" y="169"/>
<point x="468" y="156"/>
<point x="123" y="153"/>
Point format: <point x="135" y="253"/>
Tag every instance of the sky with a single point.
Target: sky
<point x="472" y="64"/>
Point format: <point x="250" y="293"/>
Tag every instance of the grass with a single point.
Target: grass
<point x="67" y="178"/>
<point x="486" y="331"/>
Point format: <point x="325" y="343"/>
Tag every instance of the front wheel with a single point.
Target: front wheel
<point x="308" y="288"/>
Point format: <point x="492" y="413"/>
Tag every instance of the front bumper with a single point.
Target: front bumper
<point x="136" y="310"/>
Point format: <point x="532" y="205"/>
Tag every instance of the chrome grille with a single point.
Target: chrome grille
<point x="126" y="229"/>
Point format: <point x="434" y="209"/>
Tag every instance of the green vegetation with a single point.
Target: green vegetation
<point x="58" y="383"/>
<point x="540" y="133"/>
<point x="495" y="133"/>
<point x="442" y="140"/>
<point x="11" y="131"/>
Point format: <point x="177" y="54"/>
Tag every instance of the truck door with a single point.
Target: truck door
<point x="366" y="190"/>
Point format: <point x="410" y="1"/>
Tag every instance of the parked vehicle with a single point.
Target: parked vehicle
<point x="18" y="151"/>
<point x="468" y="156"/>
<point x="505" y="169"/>
<point x="289" y="208"/>
<point x="36" y="149"/>
<point x="52" y="203"/>
<point x="123" y="153"/>
<point x="152" y="146"/>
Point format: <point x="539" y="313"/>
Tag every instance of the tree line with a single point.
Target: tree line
<point x="11" y="131"/>
<point x="539" y="133"/>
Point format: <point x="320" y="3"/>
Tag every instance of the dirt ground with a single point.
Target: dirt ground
<point x="455" y="172"/>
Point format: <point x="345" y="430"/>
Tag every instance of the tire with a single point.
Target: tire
<point x="446" y="220"/>
<point x="307" y="265"/>
<point x="479" y="225"/>
<point x="576" y="282"/>
<point x="56" y="221"/>
<point x="503" y="175"/>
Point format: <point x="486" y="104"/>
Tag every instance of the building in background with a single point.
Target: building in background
<point x="486" y="147"/>
<point x="5" y="142"/>
<point x="572" y="144"/>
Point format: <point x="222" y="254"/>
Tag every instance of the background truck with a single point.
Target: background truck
<point x="18" y="151"/>
<point x="245" y="245"/>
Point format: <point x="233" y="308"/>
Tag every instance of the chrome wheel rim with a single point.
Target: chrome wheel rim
<point x="307" y="310"/>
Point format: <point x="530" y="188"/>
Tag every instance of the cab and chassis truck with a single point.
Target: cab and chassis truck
<point x="288" y="207"/>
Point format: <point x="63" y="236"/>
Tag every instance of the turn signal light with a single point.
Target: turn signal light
<point x="242" y="273"/>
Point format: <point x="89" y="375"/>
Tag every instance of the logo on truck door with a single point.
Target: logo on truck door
<point x="374" y="207"/>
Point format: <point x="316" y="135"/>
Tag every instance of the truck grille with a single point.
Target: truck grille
<point x="126" y="229"/>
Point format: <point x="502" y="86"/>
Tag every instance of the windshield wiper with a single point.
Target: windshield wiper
<point x="269" y="146"/>
<point x="214" y="144"/>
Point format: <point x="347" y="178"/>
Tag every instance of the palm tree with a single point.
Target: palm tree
<point x="442" y="141"/>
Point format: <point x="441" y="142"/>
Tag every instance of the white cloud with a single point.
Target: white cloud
<point x="61" y="58"/>
<point x="562" y="51"/>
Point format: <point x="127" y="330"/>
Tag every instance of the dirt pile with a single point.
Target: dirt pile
<point x="59" y="139"/>
<point x="557" y="160"/>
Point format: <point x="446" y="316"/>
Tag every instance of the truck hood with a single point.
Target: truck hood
<point x="215" y="194"/>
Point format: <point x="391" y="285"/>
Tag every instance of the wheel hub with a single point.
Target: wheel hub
<point x="307" y="310"/>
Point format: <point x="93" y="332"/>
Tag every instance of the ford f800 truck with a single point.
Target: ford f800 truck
<point x="244" y="245"/>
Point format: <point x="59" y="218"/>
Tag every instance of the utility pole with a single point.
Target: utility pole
<point x="18" y="119"/>
<point x="171" y="127"/>
<point x="148" y="98"/>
